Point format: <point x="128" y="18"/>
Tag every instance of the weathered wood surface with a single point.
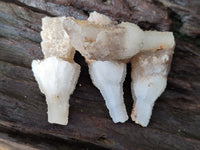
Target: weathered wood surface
<point x="175" y="122"/>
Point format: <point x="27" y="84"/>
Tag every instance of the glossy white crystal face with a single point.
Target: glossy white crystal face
<point x="108" y="77"/>
<point x="57" y="80"/>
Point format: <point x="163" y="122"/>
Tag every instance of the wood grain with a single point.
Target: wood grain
<point x="175" y="122"/>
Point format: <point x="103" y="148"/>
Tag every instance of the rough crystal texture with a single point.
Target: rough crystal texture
<point x="57" y="74"/>
<point x="149" y="80"/>
<point x="103" y="43"/>
<point x="99" y="19"/>
<point x="107" y="46"/>
<point x="55" y="40"/>
<point x="111" y="41"/>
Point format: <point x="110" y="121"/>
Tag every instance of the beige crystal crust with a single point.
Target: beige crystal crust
<point x="55" y="40"/>
<point x="97" y="40"/>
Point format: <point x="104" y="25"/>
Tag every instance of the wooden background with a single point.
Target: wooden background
<point x="175" y="122"/>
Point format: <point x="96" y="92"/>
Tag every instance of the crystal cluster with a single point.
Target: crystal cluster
<point x="107" y="47"/>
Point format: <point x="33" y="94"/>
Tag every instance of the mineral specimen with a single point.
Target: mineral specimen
<point x="107" y="46"/>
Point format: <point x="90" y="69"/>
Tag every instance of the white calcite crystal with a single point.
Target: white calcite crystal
<point x="149" y="80"/>
<point x="57" y="80"/>
<point x="107" y="46"/>
<point x="57" y="74"/>
<point x="108" y="77"/>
